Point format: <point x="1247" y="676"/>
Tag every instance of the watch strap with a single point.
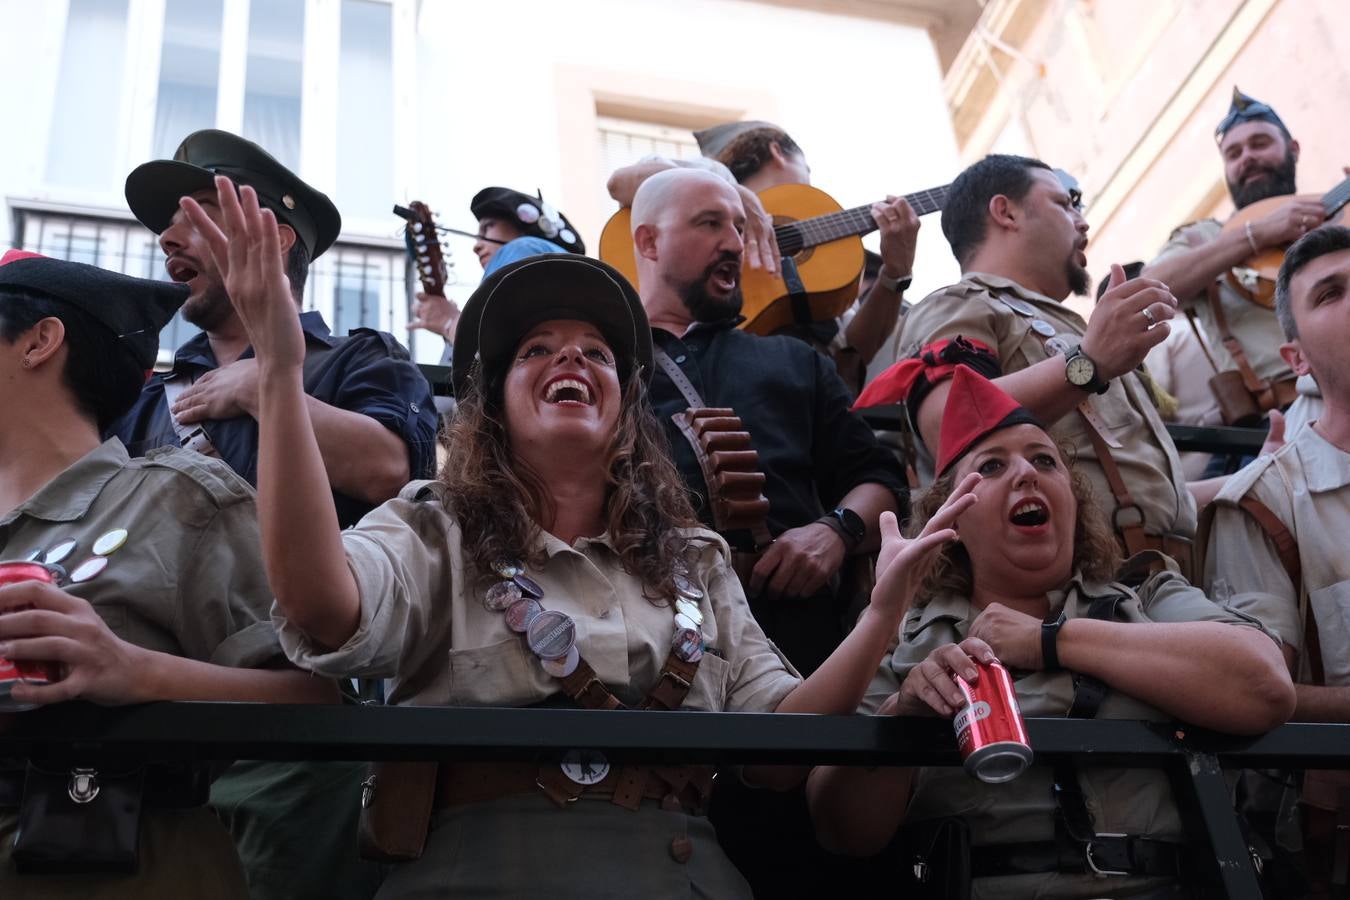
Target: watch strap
<point x="1049" y="644"/>
<point x="899" y="285"/>
<point x="835" y="520"/>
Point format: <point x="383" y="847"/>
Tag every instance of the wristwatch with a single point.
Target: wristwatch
<point x="848" y="524"/>
<point x="899" y="285"/>
<point x="1081" y="372"/>
<point x="1049" y="644"/>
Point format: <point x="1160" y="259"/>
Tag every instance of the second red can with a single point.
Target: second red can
<point x="989" y="730"/>
<point x="23" y="671"/>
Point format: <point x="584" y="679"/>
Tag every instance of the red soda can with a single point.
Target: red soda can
<point x="989" y="729"/>
<point x="14" y="672"/>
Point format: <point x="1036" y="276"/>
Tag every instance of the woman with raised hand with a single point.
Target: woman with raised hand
<point x="1030" y="583"/>
<point x="555" y="561"/>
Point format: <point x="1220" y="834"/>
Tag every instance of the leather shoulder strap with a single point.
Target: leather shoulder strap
<point x="1231" y="344"/>
<point x="678" y="378"/>
<point x="1131" y="532"/>
<point x="1287" y="549"/>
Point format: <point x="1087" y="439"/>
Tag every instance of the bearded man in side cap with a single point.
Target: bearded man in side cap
<point x="162" y="594"/>
<point x="1259" y="160"/>
<point x="372" y="408"/>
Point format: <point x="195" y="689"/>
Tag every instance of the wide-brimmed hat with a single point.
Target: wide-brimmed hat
<point x="537" y="289"/>
<point x="533" y="216"/>
<point x="134" y="310"/>
<point x="153" y="189"/>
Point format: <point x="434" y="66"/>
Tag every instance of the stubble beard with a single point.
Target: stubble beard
<point x="210" y="309"/>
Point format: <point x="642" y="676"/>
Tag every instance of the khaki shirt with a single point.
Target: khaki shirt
<point x="423" y="622"/>
<point x="1127" y="801"/>
<point x="1255" y="327"/>
<point x="189" y="580"/>
<point x="1003" y="314"/>
<point x="1307" y="485"/>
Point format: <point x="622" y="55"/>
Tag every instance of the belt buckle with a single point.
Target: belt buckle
<point x="1092" y="863"/>
<point x="1132" y="508"/>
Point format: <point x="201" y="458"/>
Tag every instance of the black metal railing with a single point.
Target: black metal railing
<point x="1194" y="758"/>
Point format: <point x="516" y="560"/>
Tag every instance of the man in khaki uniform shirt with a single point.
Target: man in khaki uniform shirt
<point x="1019" y="237"/>
<point x="1259" y="160"/>
<point x="1306" y="485"/>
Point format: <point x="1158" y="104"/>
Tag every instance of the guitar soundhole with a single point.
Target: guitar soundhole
<point x="802" y="255"/>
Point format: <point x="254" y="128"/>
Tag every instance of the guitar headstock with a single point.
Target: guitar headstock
<point x="423" y="246"/>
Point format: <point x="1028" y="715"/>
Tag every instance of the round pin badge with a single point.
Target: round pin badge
<point x="561" y="668"/>
<point x="501" y="595"/>
<point x="584" y="766"/>
<point x="1042" y="327"/>
<point x="507" y="568"/>
<point x="59" y="552"/>
<point x="527" y="213"/>
<point x="686" y="588"/>
<point x="688" y="644"/>
<point x="689" y="609"/>
<point x="551" y="634"/>
<point x="110" y="541"/>
<point x="685" y="623"/>
<point x="1058" y="346"/>
<point x="1018" y="306"/>
<point x="567" y="236"/>
<point x="529" y="587"/>
<point x="520" y="614"/>
<point x="89" y="569"/>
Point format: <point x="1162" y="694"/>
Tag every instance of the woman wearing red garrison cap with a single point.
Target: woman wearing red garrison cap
<point x="1030" y="582"/>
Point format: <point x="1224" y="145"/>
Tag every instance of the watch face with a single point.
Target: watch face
<point x="1080" y="370"/>
<point x="852" y="523"/>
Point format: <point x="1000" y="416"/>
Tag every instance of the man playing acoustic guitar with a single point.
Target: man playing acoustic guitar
<point x="762" y="156"/>
<point x="1237" y="327"/>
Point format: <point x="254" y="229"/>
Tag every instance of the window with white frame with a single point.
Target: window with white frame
<point x="626" y="141"/>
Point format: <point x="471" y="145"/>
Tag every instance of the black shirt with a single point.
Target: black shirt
<point x="367" y="372"/>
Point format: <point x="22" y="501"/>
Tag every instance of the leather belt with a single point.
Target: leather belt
<point x="460" y="784"/>
<point x="1105" y="854"/>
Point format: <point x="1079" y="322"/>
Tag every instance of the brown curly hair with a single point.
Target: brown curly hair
<point x="499" y="500"/>
<point x="1095" y="551"/>
<point x="749" y="152"/>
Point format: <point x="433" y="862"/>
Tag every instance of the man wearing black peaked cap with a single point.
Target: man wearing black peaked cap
<point x="371" y="407"/>
<point x="161" y="593"/>
<point x="375" y="422"/>
<point x="1259" y="159"/>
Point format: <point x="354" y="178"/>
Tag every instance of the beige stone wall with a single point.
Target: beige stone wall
<point x="1126" y="93"/>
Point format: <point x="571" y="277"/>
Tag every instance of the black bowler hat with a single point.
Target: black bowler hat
<point x="132" y="309"/>
<point x="519" y="296"/>
<point x="530" y="214"/>
<point x="153" y="189"/>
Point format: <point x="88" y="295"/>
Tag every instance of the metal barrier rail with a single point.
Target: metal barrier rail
<point x="221" y="731"/>
<point x="1239" y="441"/>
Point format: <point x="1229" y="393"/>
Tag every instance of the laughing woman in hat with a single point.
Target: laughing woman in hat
<point x="1031" y="583"/>
<point x="159" y="593"/>
<point x="555" y="561"/>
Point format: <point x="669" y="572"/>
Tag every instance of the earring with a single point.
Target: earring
<point x="27" y="363"/>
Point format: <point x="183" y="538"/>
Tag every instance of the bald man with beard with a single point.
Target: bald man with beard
<point x="827" y="479"/>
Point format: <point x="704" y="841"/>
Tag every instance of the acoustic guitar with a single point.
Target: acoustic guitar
<point x="1255" y="277"/>
<point x="822" y="252"/>
<point x="424" y="247"/>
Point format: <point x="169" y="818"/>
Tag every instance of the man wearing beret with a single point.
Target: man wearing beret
<point x="371" y="407"/>
<point x="161" y="593"/>
<point x="1259" y="160"/>
<point x="376" y="425"/>
<point x="511" y="226"/>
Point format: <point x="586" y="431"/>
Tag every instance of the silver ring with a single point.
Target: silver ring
<point x="1148" y="315"/>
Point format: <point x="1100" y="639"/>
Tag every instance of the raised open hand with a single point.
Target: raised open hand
<point x="248" y="253"/>
<point x="903" y="562"/>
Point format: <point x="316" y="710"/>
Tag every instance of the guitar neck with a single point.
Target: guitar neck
<point x="797" y="236"/>
<point x="1336" y="198"/>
